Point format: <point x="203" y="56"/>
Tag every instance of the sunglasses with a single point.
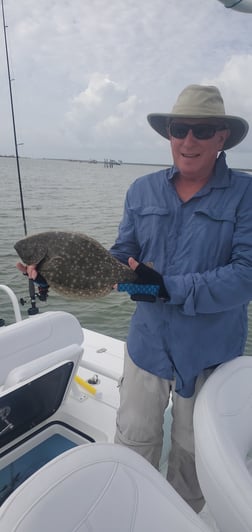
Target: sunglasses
<point x="199" y="131"/>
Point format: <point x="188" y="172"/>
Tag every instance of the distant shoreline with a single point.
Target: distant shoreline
<point x="83" y="161"/>
<point x="102" y="162"/>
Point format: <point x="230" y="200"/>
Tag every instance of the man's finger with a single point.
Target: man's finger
<point x="133" y="264"/>
<point x="21" y="267"/>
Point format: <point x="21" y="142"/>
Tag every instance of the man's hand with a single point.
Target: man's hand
<point x="36" y="277"/>
<point x="133" y="264"/>
<point x="148" y="286"/>
<point x="28" y="270"/>
<point x="148" y="276"/>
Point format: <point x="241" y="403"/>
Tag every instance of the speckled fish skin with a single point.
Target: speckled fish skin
<point x="73" y="264"/>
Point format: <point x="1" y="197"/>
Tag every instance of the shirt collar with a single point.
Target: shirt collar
<point x="220" y="177"/>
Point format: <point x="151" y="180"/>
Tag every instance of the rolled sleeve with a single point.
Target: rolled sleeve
<point x="224" y="287"/>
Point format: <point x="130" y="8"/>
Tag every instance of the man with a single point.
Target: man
<point x="188" y="230"/>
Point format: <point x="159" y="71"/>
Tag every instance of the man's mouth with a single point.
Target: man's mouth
<point x="190" y="155"/>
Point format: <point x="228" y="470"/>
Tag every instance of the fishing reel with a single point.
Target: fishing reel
<point x="42" y="294"/>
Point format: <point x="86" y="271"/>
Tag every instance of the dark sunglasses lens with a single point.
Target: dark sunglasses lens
<point x="204" y="131"/>
<point x="200" y="131"/>
<point x="179" y="131"/>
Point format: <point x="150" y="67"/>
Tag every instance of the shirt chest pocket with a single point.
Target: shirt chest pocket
<point x="151" y="219"/>
<point x="153" y="226"/>
<point x="214" y="229"/>
<point x="213" y="216"/>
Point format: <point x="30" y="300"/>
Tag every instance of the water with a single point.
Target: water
<point x="67" y="195"/>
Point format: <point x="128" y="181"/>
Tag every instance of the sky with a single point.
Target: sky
<point x="85" y="74"/>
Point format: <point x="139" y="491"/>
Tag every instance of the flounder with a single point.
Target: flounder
<point x="73" y="264"/>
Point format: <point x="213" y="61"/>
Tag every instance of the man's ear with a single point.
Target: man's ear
<point x="223" y="136"/>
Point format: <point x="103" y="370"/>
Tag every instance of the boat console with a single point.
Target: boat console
<point x="32" y="394"/>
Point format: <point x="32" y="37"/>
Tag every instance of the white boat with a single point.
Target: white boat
<point x="59" y="468"/>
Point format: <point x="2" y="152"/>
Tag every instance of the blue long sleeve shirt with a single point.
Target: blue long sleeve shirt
<point x="203" y="249"/>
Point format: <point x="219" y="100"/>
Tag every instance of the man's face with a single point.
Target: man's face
<point x="195" y="158"/>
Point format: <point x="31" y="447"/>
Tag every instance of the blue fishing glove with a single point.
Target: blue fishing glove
<point x="148" y="276"/>
<point x="148" y="286"/>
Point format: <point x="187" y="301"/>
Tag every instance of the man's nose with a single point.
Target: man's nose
<point x="190" y="136"/>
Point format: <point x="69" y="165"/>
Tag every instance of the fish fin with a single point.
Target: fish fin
<point x="37" y="254"/>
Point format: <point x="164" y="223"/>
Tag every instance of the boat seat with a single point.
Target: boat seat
<point x="99" y="487"/>
<point x="223" y="442"/>
<point x="30" y="396"/>
<point x="25" y="372"/>
<point x="37" y="336"/>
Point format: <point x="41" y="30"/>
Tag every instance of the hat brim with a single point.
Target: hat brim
<point x="238" y="126"/>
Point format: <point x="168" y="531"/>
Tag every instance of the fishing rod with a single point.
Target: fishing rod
<point x="13" y="119"/>
<point x="33" y="310"/>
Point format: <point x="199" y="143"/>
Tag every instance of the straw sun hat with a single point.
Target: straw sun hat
<point x="199" y="101"/>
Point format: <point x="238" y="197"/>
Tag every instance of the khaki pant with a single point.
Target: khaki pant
<point x="143" y="400"/>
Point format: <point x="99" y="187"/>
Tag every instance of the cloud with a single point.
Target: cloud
<point x="234" y="81"/>
<point x="101" y="115"/>
<point x="87" y="73"/>
<point x="100" y="91"/>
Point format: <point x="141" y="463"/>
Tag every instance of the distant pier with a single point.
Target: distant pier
<point x="109" y="163"/>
